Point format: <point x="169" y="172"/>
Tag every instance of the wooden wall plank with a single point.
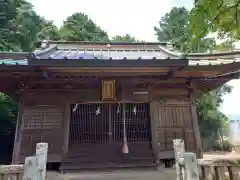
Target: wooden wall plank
<point x="42" y="124"/>
<point x="172" y="120"/>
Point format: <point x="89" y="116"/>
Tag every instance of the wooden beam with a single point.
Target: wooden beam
<point x="77" y="87"/>
<point x="109" y="74"/>
<point x="126" y="79"/>
<point x="108" y="70"/>
<point x="174" y="70"/>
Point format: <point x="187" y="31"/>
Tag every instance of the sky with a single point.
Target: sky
<point x="120" y="17"/>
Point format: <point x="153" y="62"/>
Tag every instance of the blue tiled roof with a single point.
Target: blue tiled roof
<point x="14" y="62"/>
<point x="103" y="54"/>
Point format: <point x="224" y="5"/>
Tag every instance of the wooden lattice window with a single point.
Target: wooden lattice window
<point x="42" y="118"/>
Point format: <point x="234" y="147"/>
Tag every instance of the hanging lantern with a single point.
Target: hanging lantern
<point x="108" y="90"/>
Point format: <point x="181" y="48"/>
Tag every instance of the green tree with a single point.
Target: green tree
<point x="27" y="25"/>
<point x="48" y="31"/>
<point x="21" y="28"/>
<point x="8" y="117"/>
<point x="211" y="118"/>
<point x="222" y="16"/>
<point x="174" y="27"/>
<point x="79" y="27"/>
<point x="8" y="13"/>
<point x="125" y="38"/>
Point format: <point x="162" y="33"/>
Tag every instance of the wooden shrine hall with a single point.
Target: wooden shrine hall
<point x="110" y="104"/>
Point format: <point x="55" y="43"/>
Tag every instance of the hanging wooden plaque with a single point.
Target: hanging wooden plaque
<point x="108" y="90"/>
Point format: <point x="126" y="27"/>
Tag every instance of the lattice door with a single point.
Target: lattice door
<point x="89" y="124"/>
<point x="138" y="122"/>
<point x="103" y="123"/>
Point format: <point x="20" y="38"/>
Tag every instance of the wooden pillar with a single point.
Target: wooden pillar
<point x="17" y="140"/>
<point x="193" y="111"/>
<point x="153" y="119"/>
<point x="67" y="114"/>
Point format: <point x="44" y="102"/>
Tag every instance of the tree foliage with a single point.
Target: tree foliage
<point x="21" y="28"/>
<point x="8" y="117"/>
<point x="125" y="38"/>
<point x="79" y="27"/>
<point x="222" y="16"/>
<point x="174" y="28"/>
<point x="211" y="119"/>
<point x="48" y="31"/>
